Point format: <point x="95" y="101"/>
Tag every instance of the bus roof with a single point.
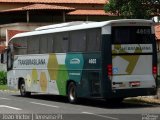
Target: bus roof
<point x="66" y="24"/>
<point x="83" y="25"/>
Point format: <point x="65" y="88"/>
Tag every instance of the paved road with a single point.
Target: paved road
<point x="43" y="107"/>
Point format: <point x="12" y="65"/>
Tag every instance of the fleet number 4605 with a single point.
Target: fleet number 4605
<point x="92" y="61"/>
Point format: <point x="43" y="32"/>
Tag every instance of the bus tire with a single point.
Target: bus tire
<point x="23" y="91"/>
<point x="72" y="95"/>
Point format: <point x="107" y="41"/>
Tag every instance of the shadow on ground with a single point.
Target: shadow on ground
<point x="91" y="102"/>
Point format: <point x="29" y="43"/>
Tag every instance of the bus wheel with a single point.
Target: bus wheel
<point x="72" y="96"/>
<point x="23" y="91"/>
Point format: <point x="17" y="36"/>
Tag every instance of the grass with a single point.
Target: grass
<point x="3" y="87"/>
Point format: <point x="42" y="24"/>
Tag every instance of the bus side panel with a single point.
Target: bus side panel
<point x="49" y="73"/>
<point x="90" y="82"/>
<point x="58" y="72"/>
<point x="38" y="71"/>
<point x="12" y="83"/>
<point x="84" y="70"/>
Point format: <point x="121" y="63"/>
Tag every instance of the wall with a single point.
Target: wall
<point x="19" y="26"/>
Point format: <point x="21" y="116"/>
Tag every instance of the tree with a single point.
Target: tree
<point x="139" y="9"/>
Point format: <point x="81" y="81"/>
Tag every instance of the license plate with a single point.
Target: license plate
<point x="135" y="84"/>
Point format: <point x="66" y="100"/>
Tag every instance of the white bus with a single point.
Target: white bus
<point x="111" y="60"/>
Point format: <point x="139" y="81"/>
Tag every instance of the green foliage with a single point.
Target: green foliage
<point x="138" y="9"/>
<point x="3" y="78"/>
<point x="112" y="6"/>
<point x="3" y="87"/>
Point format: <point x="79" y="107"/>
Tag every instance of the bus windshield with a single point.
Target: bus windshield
<point x="132" y="35"/>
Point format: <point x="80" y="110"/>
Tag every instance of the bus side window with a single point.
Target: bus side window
<point x="43" y="44"/>
<point x="33" y="45"/>
<point x="20" y="46"/>
<point x="78" y="41"/>
<point x="61" y="42"/>
<point x="93" y="39"/>
<point x="50" y="44"/>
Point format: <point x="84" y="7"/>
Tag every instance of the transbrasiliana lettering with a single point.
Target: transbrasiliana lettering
<point x="135" y="48"/>
<point x="32" y="62"/>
